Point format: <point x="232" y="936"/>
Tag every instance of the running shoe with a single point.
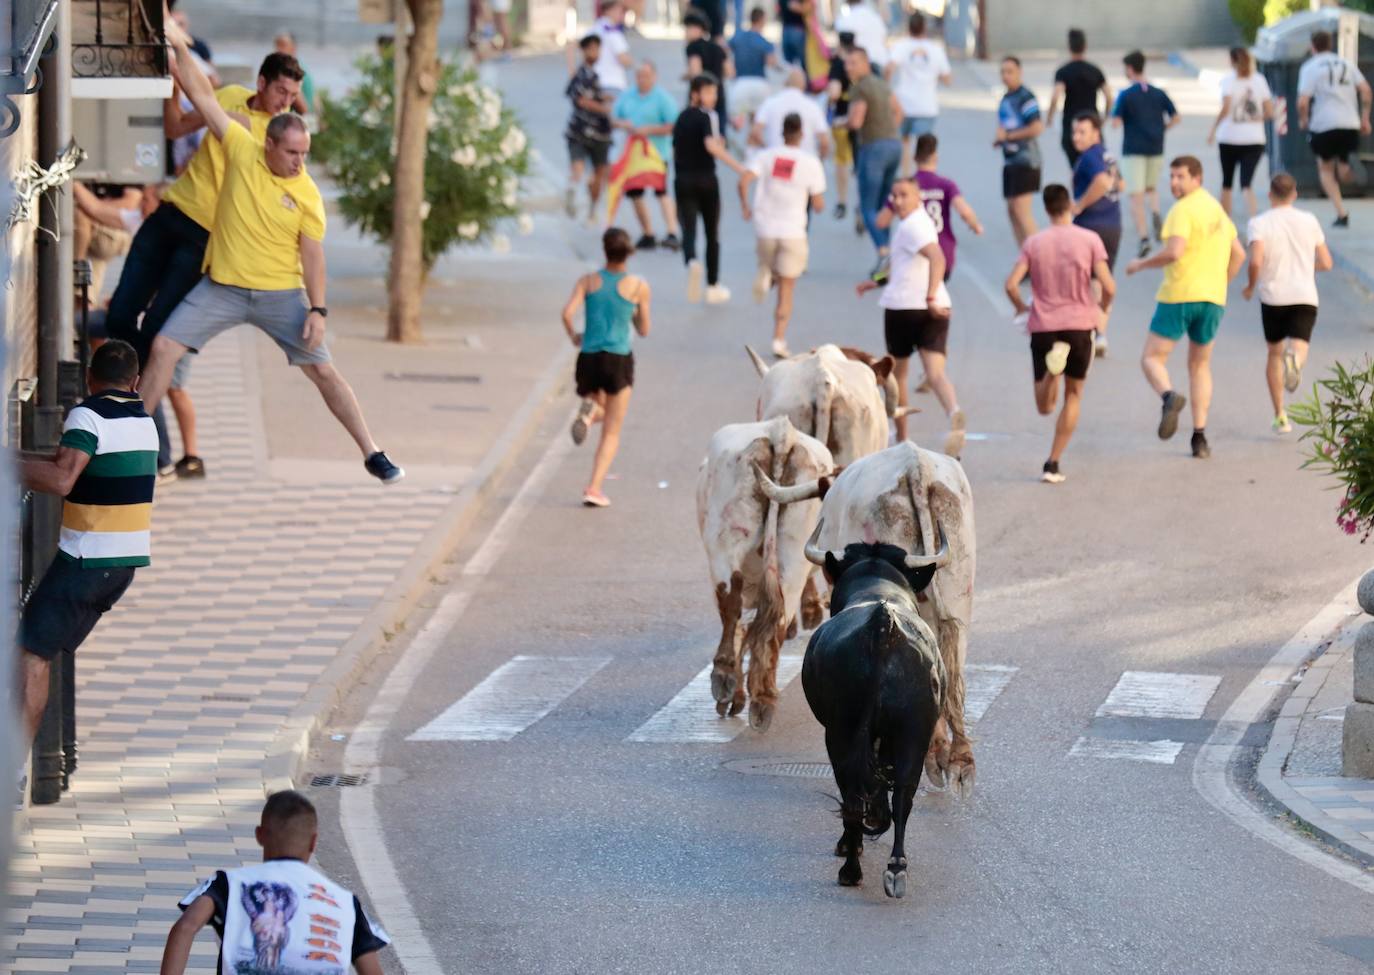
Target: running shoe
<point x="694" y="276"/>
<point x="167" y="474"/>
<point x="1281" y="424"/>
<point x="595" y="499"/>
<point x="1057" y="359"/>
<point x="1201" y="448"/>
<point x="379" y="465"/>
<point x="1292" y="372"/>
<point x="1168" y="420"/>
<point x="840" y="211"/>
<point x="924" y="385"/>
<point x="780" y="349"/>
<point x="954" y="440"/>
<point x="717" y="294"/>
<point x="1343" y="221"/>
<point x="763" y="282"/>
<point x="646" y="243"/>
<point x="190" y="466"/>
<point x="1159" y="226"/>
<point x="670" y="243"/>
<point x="583" y="421"/>
<point x="1050" y="473"/>
<point x="1099" y="345"/>
<point x="1143" y="250"/>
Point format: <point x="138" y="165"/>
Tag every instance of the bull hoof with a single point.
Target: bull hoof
<point x="842" y="848"/>
<point x="737" y="703"/>
<point x="723" y="685"/>
<point x="761" y="714"/>
<point x="961" y="776"/>
<point x="894" y="878"/>
<point x="851" y="874"/>
<point x="722" y="707"/>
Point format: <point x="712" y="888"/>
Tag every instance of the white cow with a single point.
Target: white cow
<point x="755" y="550"/>
<point x="898" y="496"/>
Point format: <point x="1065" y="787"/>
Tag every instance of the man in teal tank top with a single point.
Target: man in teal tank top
<point x="617" y="304"/>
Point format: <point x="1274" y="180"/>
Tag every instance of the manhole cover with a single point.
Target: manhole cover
<point x="792" y="770"/>
<point x="336" y="780"/>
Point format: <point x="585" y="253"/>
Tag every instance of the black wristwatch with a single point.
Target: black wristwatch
<point x="324" y="312"/>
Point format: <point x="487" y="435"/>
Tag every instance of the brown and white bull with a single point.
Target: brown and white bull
<point x="896" y="497"/>
<point x="756" y="552"/>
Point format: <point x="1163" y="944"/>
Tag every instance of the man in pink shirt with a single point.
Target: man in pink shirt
<point x="1062" y="262"/>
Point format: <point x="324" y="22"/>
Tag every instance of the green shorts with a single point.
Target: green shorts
<point x="1199" y="319"/>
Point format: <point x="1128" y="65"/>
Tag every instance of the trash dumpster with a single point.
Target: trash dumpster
<point x="1280" y="51"/>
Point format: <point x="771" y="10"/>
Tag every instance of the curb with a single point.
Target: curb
<point x="290" y="747"/>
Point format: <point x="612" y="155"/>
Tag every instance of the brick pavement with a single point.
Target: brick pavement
<point x="254" y="587"/>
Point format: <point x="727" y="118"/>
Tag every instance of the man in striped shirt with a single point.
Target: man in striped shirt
<point x="105" y="468"/>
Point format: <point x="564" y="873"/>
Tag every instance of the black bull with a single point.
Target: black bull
<point x="875" y="681"/>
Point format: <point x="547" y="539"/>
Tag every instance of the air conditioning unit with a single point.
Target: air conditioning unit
<point x="123" y="139"/>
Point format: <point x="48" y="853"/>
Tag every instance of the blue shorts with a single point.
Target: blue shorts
<point x="917" y="125"/>
<point x="1198" y="319"/>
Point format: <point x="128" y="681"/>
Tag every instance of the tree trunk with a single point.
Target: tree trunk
<point x="406" y="287"/>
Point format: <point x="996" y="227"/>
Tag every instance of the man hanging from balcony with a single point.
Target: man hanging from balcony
<point x="265" y="261"/>
<point x="165" y="258"/>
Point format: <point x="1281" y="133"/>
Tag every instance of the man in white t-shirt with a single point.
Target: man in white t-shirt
<point x="1333" y="106"/>
<point x="612" y="68"/>
<point x="791" y="100"/>
<point x="916" y="67"/>
<point x="1287" y="248"/>
<point x="915" y="305"/>
<point x="869" y="30"/>
<point x="790" y="181"/>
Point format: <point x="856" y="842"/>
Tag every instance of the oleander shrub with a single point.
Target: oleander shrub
<point x="1339" y="416"/>
<point x="1248" y="15"/>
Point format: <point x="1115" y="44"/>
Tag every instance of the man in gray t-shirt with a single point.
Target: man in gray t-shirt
<point x="874" y="118"/>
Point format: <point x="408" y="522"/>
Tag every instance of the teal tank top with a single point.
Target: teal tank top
<point x="609" y="317"/>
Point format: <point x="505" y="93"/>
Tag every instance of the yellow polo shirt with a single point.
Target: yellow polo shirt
<point x="260" y="219"/>
<point x="196" y="190"/>
<point x="1200" y="274"/>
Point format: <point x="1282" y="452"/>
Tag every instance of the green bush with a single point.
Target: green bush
<point x="477" y="153"/>
<point x="1340" y="421"/>
<point x="1248" y="15"/>
<point x="1276" y="10"/>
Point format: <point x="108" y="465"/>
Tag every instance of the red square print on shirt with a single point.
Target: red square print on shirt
<point x="782" y="168"/>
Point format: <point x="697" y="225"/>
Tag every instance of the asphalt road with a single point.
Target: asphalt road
<point x="571" y="848"/>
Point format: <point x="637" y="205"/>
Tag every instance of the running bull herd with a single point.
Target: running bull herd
<point x="812" y="485"/>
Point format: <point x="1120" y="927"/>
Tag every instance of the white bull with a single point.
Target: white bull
<point x="898" y="496"/>
<point x="756" y="553"/>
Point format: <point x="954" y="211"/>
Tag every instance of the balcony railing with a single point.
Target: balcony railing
<point x="117" y="39"/>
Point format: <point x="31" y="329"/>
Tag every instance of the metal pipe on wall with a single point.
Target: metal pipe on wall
<point x="54" y="250"/>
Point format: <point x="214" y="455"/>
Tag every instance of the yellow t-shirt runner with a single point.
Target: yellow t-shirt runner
<point x="260" y="218"/>
<point x="196" y="190"/>
<point x="1200" y="274"/>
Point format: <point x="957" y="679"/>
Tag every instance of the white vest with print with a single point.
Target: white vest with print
<point x="283" y="916"/>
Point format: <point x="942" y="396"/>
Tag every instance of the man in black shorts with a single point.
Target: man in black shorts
<point x="1334" y="102"/>
<point x="1018" y="133"/>
<point x="589" y="129"/>
<point x="1077" y="84"/>
<point x="1063" y="261"/>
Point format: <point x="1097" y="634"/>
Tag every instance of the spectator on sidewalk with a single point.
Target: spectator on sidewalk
<point x="589" y="129"/>
<point x="917" y="66"/>
<point x="104" y="222"/>
<point x="105" y="468"/>
<point x="265" y="263"/>
<point x="791" y="100"/>
<point x="1018" y="136"/>
<point x="304" y="103"/>
<point x="1246" y="104"/>
<point x="198" y="45"/>
<point x="1334" y="101"/>
<point x="705" y="56"/>
<point x="869" y="29"/>
<point x="1077" y="84"/>
<point x="648" y="110"/>
<point x="1143" y="113"/>
<point x="294" y="918"/>
<point x="875" y="116"/>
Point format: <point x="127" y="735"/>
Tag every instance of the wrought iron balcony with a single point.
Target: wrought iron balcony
<point x="118" y="39"/>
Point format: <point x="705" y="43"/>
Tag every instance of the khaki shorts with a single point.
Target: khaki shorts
<point x="785" y="258"/>
<point x="844" y="149"/>
<point x="1141" y="173"/>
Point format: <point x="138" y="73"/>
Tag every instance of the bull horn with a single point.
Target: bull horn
<point x="938" y="559"/>
<point x="759" y="364"/>
<point x="779" y="494"/>
<point x="814" y="553"/>
<point x="902" y="411"/>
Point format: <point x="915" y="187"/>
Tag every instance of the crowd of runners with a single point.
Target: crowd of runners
<point x="868" y="106"/>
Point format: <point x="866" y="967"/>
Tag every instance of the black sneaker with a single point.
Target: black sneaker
<point x="646" y="243"/>
<point x="379" y="465"/>
<point x="1159" y="226"/>
<point x="840" y="211"/>
<point x="1168" y="420"/>
<point x="190" y="466"/>
<point x="671" y="243"/>
<point x="1201" y="449"/>
<point x="1050" y="473"/>
<point x="1341" y="221"/>
<point x="1143" y="250"/>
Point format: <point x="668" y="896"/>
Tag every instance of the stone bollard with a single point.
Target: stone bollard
<point x="1357" y="737"/>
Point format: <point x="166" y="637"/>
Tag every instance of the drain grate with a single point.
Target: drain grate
<point x="791" y="770"/>
<point x="335" y="780"/>
<point x="433" y="377"/>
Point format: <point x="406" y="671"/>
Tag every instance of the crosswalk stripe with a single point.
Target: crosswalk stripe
<point x="1145" y="694"/>
<point x="512" y="698"/>
<point x="982" y="685"/>
<point x="1160" y="752"/>
<point x="691" y="715"/>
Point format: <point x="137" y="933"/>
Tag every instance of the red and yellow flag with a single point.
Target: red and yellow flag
<point x="639" y="167"/>
<point x="816" y="56"/>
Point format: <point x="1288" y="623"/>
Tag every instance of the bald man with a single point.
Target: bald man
<point x="792" y="100"/>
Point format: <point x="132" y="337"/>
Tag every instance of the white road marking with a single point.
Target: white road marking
<point x="1144" y="694"/>
<point x="995" y="296"/>
<point x="691" y="715"/>
<point x="1161" y="752"/>
<point x="512" y="698"/>
<point x="982" y="684"/>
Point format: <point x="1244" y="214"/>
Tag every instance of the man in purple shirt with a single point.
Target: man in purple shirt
<point x="939" y="195"/>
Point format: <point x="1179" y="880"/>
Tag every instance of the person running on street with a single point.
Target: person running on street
<point x="1143" y="113"/>
<point x="837" y="95"/>
<point x="940" y="195"/>
<point x="916" y="308"/>
<point x="614" y="60"/>
<point x="648" y="110"/>
<point x="875" y="116"/>
<point x="265" y="262"/>
<point x="1018" y="133"/>
<point x="793" y="15"/>
<point x="1246" y="104"/>
<point x="1077" y="84"/>
<point x="697" y="144"/>
<point x="1200" y="256"/>
<point x="791" y="99"/>
<point x="617" y="304"/>
<point x="1097" y="200"/>
<point x="753" y="54"/>
<point x="1064" y="262"/>
<point x="589" y="130"/>
<point x="705" y="56"/>
<point x="916" y="67"/>
<point x="1334" y="102"/>
<point x="1287" y="248"/>
<point x="790" y="181"/>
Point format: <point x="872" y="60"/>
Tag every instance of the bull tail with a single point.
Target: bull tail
<point x="877" y="810"/>
<point x="762" y="638"/>
<point x="821" y="412"/>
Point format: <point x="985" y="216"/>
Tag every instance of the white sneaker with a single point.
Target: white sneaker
<point x="1099" y="345"/>
<point x="780" y="350"/>
<point x="1292" y="372"/>
<point x="1057" y="359"/>
<point x="1281" y="424"/>
<point x="763" y="283"/>
<point x="717" y="294"/>
<point x="954" y="440"/>
<point x="694" y="276"/>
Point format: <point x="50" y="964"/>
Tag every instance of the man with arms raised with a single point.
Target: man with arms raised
<point x="265" y="260"/>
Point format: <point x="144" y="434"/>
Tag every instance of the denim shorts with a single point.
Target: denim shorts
<point x="917" y="125"/>
<point x="67" y="604"/>
<point x="213" y="308"/>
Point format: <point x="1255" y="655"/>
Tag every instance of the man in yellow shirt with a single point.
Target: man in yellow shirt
<point x="1200" y="256"/>
<point x="265" y="261"/>
<point x="165" y="258"/>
